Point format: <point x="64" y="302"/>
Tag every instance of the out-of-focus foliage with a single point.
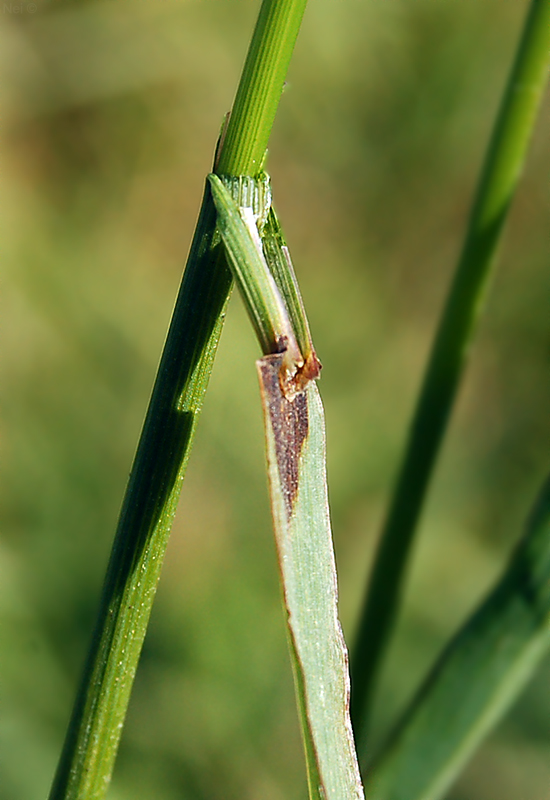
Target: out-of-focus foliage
<point x="110" y="111"/>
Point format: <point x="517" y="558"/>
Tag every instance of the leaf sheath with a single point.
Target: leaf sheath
<point x="146" y="519"/>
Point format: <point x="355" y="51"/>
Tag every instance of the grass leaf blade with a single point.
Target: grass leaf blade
<point x="476" y="678"/>
<point x="295" y="440"/>
<point x="499" y="179"/>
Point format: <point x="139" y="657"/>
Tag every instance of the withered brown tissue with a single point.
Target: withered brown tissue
<point x="289" y="422"/>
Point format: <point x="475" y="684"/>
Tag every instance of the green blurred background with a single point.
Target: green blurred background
<point x="110" y="112"/>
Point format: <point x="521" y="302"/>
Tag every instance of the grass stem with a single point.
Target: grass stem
<point x="149" y="507"/>
<point x="260" y="88"/>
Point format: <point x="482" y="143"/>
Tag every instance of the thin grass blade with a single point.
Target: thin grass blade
<point x="92" y="738"/>
<point x="499" y="179"/>
<point x="475" y="680"/>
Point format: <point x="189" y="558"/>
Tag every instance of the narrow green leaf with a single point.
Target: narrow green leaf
<point x="498" y="181"/>
<point x="295" y="439"/>
<point x="477" y="677"/>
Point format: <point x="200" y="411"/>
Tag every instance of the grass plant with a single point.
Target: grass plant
<point x="483" y="667"/>
<point x="481" y="671"/>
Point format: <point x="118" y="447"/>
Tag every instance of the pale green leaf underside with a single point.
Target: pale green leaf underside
<point x="295" y="438"/>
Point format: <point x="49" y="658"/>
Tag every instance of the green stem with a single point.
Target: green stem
<point x="499" y="178"/>
<point x="149" y="507"/>
<point x="260" y="88"/>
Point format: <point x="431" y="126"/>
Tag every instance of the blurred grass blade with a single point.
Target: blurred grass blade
<point x="295" y="439"/>
<point x="499" y="179"/>
<point x="477" y="677"/>
<point x="93" y="735"/>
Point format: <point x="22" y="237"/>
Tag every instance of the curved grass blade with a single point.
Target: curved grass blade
<point x="477" y="677"/>
<point x="498" y="182"/>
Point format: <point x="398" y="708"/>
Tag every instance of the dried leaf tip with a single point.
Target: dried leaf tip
<point x="295" y="380"/>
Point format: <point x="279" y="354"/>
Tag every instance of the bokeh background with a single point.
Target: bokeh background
<point x="110" y="113"/>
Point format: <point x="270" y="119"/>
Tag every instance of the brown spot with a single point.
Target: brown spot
<point x="310" y="371"/>
<point x="289" y="423"/>
<point x="295" y="375"/>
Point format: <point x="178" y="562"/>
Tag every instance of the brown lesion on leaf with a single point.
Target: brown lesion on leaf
<point x="295" y="373"/>
<point x="286" y="403"/>
<point x="310" y="371"/>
